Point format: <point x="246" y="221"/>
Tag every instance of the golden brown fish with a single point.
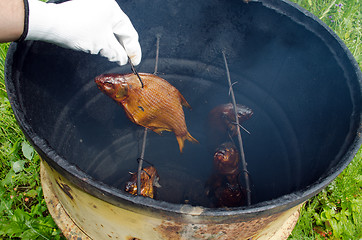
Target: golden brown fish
<point x="222" y="125"/>
<point x="157" y="106"/>
<point x="149" y="180"/>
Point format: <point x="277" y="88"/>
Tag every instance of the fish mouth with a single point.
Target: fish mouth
<point x="99" y="79"/>
<point x="224" y="155"/>
<point x="105" y="83"/>
<point x="221" y="156"/>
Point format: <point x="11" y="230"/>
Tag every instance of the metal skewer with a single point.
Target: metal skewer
<point x="133" y="68"/>
<point x="135" y="71"/>
<point x="140" y="163"/>
<point x="244" y="164"/>
<point x="141" y="158"/>
<point x="158" y="36"/>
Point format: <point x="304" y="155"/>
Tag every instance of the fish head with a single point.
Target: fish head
<point x="226" y="159"/>
<point x="113" y="85"/>
<point x="244" y="113"/>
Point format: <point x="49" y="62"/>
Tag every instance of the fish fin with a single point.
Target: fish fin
<point x="159" y="130"/>
<point x="184" y="102"/>
<point x="181" y="140"/>
<point x="128" y="114"/>
<point x="191" y="138"/>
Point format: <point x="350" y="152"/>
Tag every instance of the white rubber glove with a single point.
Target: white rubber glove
<point x="93" y="26"/>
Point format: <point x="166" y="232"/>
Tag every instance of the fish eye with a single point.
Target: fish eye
<point x="241" y="113"/>
<point x="108" y="85"/>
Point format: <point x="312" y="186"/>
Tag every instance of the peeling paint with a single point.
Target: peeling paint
<point x="170" y="230"/>
<point x="90" y="216"/>
<point x="195" y="211"/>
<point x="66" y="189"/>
<point x="132" y="238"/>
<point x="239" y="230"/>
<point x="69" y="229"/>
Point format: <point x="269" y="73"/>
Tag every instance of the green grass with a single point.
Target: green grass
<point x="335" y="213"/>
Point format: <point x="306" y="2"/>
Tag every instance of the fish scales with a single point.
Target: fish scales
<point x="154" y="101"/>
<point x="157" y="106"/>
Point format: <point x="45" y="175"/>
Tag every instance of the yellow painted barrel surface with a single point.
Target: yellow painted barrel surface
<point x="82" y="216"/>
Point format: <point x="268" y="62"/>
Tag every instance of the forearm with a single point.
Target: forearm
<point x="11" y="20"/>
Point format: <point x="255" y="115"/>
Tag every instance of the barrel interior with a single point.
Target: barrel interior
<point x="293" y="73"/>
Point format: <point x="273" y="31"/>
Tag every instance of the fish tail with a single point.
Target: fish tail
<point x="181" y="140"/>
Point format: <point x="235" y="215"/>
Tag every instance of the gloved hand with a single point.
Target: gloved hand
<point x="93" y="26"/>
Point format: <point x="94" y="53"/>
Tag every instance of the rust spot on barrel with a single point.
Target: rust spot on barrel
<point x="66" y="189"/>
<point x="132" y="238"/>
<point x="170" y="230"/>
<point x="238" y="230"/>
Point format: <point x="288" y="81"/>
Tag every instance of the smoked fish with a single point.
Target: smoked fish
<point x="224" y="187"/>
<point x="149" y="180"/>
<point x="157" y="106"/>
<point x="226" y="159"/>
<point x="222" y="117"/>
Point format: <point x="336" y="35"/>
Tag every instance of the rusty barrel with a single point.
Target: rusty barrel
<point x="297" y="76"/>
